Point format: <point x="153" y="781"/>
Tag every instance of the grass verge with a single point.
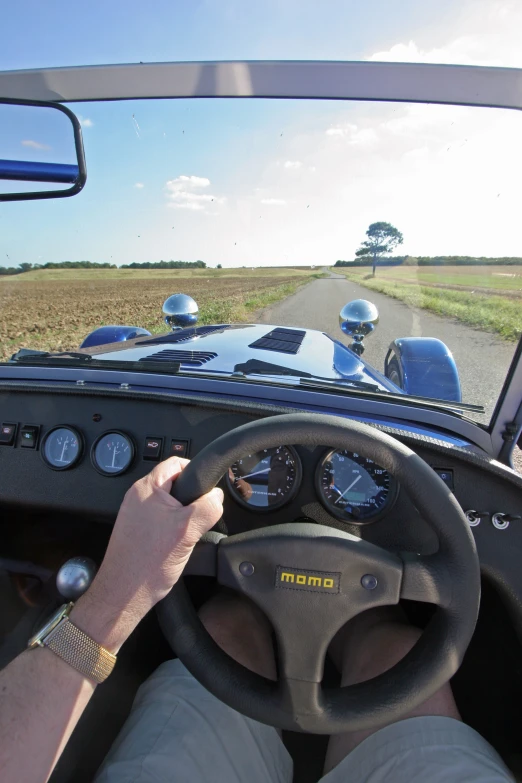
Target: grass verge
<point x="490" y="313"/>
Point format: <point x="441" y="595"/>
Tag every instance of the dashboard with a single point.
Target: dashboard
<point x="76" y="453"/>
<point x="68" y="456"/>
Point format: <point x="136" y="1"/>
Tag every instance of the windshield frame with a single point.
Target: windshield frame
<point x="490" y="87"/>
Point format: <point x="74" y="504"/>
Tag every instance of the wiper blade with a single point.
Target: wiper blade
<point x="30" y="355"/>
<point x="73" y="359"/>
<point x="257" y="367"/>
<point x="401" y="398"/>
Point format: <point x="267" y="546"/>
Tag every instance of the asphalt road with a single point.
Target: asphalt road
<point x="482" y="359"/>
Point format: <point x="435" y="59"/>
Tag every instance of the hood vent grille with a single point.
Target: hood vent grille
<point x="181" y="335"/>
<point x="186" y="358"/>
<point x="281" y="340"/>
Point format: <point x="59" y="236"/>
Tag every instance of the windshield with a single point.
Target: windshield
<point x="280" y="213"/>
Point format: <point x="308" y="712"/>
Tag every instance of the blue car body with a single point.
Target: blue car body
<point x="426" y="365"/>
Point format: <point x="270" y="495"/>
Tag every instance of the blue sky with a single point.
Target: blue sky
<point x="271" y="182"/>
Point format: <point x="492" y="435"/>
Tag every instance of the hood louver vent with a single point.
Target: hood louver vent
<point x="181" y="335"/>
<point x="186" y="358"/>
<point x="281" y="340"/>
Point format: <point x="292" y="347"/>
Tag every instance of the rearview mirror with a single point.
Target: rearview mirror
<point x="41" y="151"/>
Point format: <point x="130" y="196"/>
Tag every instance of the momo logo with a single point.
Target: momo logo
<point x="314" y="581"/>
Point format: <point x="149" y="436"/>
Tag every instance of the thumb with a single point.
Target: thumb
<point x="204" y="513"/>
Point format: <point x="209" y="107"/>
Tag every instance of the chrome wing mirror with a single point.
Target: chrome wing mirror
<point x="180" y="311"/>
<point x="358" y="319"/>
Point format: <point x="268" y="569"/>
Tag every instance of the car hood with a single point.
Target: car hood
<point x="225" y="348"/>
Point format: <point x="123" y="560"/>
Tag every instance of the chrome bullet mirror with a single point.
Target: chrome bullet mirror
<point x="358" y="319"/>
<point x="180" y="311"/>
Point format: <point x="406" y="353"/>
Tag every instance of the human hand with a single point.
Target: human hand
<point x="152" y="539"/>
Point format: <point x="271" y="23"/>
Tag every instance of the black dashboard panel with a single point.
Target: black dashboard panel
<point x="157" y="424"/>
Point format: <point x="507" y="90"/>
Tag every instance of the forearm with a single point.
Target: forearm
<point x="42" y="697"/>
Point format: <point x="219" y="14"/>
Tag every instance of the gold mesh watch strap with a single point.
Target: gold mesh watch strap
<point x="80" y="651"/>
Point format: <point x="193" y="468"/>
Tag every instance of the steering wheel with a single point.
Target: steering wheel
<point x="310" y="580"/>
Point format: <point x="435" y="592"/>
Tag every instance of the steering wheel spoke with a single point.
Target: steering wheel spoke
<point x="426" y="579"/>
<point x="203" y="560"/>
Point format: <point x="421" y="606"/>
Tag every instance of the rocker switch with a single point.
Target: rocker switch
<point x="152" y="448"/>
<point x="29" y="437"/>
<point x="7" y="434"/>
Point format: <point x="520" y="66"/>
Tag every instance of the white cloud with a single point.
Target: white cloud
<point x="293" y="164"/>
<point x="183" y="192"/>
<point x="186" y="183"/>
<point x="85" y="122"/>
<point x="139" y="185"/>
<point x="274" y="202"/>
<point x="352" y="134"/>
<point x="35" y="145"/>
<point x="347" y="129"/>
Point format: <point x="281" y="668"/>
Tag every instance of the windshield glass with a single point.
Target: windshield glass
<point x="280" y="213"/>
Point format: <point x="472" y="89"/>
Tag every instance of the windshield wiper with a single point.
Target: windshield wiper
<point x="404" y="399"/>
<point x="74" y="359"/>
<point x="257" y="367"/>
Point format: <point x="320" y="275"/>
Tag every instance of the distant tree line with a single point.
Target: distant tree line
<point x="26" y="267"/>
<point x="391" y="261"/>
<point x="166" y="265"/>
<point x="434" y="261"/>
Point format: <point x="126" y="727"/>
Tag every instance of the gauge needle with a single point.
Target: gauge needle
<point x="257" y="473"/>
<point x="354" y="482"/>
<point x="66" y="441"/>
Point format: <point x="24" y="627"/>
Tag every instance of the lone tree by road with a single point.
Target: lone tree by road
<point x="383" y="238"/>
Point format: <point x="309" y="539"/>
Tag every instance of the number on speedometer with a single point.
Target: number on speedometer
<point x="265" y="480"/>
<point x="353" y="487"/>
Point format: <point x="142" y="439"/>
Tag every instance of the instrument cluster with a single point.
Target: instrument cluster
<point x="111" y="454"/>
<point x="351" y="487"/>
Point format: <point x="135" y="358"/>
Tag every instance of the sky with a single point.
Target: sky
<point x="267" y="182"/>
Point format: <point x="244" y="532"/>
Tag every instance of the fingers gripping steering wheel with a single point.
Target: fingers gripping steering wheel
<point x="307" y="580"/>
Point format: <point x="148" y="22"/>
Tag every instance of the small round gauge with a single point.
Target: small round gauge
<point x="112" y="453"/>
<point x="62" y="448"/>
<point x="265" y="480"/>
<point x="354" y="488"/>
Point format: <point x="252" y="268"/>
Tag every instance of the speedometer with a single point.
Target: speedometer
<point x="354" y="488"/>
<point x="265" y="480"/>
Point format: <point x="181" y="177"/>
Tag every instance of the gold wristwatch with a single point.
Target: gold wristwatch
<point x="71" y="644"/>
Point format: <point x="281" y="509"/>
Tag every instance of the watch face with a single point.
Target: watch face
<point x="39" y="637"/>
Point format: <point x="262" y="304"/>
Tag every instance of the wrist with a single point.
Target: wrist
<point x="108" y="621"/>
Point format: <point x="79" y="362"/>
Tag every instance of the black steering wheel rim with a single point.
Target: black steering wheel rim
<point x="451" y="579"/>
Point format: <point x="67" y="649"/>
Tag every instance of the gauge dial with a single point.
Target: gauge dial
<point x="62" y="448"/>
<point x="354" y="488"/>
<point x="112" y="453"/>
<point x="265" y="480"/>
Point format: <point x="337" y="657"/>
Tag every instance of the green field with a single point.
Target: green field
<point x="501" y="278"/>
<point x="488" y="298"/>
<point x="152" y="274"/>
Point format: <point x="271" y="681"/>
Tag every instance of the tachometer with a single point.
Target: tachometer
<point x="62" y="448"/>
<point x="112" y="453"/>
<point x="265" y="480"/>
<point x="354" y="488"/>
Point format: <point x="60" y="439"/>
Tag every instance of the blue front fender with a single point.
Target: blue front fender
<point x="425" y="366"/>
<point x="113" y="334"/>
